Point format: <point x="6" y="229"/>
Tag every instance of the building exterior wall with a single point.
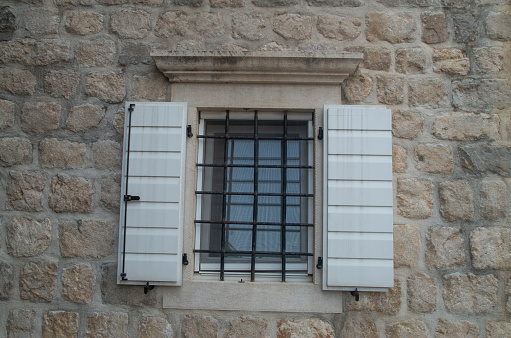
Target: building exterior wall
<point x="68" y="66"/>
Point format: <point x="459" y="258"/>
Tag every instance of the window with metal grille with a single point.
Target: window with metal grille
<point x="255" y="195"/>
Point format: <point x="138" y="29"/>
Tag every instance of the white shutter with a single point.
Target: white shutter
<point x="154" y="224"/>
<point x="357" y="199"/>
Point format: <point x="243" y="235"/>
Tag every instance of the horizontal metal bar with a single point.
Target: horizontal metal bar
<point x="251" y="194"/>
<point x="262" y="253"/>
<point x="257" y="223"/>
<point x="263" y="138"/>
<point x="276" y="166"/>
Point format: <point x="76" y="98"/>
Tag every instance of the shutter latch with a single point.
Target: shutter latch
<point x="320" y="133"/>
<point x="355" y="294"/>
<point x="148" y="287"/>
<point x="131" y="198"/>
<point x="185" y="259"/>
<point x="320" y="263"/>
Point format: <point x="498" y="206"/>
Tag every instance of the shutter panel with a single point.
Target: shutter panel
<point x="357" y="199"/>
<point x="150" y="235"/>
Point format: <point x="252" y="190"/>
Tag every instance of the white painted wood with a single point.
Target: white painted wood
<point x="359" y="118"/>
<point x="363" y="193"/>
<point x="152" y="215"/>
<point x="359" y="142"/>
<point x="155" y="139"/>
<point x="155" y="189"/>
<point x="157" y="115"/>
<point x="360" y="245"/>
<point x="360" y="273"/>
<point x="160" y="267"/>
<point x="155" y="163"/>
<point x="151" y="240"/>
<point x="357" y="167"/>
<point x="361" y="219"/>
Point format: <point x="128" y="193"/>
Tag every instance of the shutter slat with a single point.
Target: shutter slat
<point x="361" y="219"/>
<point x="346" y="167"/>
<point x="155" y="164"/>
<point x="147" y="214"/>
<point x="155" y="139"/>
<point x="361" y="273"/>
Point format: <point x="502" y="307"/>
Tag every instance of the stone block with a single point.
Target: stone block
<point x="465" y="27"/>
<point x="62" y="154"/>
<point x="489" y="60"/>
<point x="108" y="87"/>
<point x="358" y="322"/>
<point x="466" y="126"/>
<point x="40" y="117"/>
<point x="84" y="23"/>
<point x="6" y="114"/>
<point x="188" y="45"/>
<point x="227" y="3"/>
<point x="21" y="323"/>
<point x="456" y="201"/>
<point x="338" y="27"/>
<point x="189" y="3"/>
<point x="135" y="53"/>
<point x="457" y="3"/>
<point x="84" y="117"/>
<point x="119" y="122"/>
<point x="481" y="95"/>
<point x="292" y="26"/>
<point x="406" y="245"/>
<point x="7" y="20"/>
<point x="450" y="61"/>
<point x="494" y="199"/>
<point x="78" y="283"/>
<point x="152" y="87"/>
<point x="335" y="3"/>
<point x="111" y="192"/>
<point x="17" y="81"/>
<point x="107" y="154"/>
<point x="410" y="60"/>
<point x="131" y="24"/>
<point x="96" y="53"/>
<point x="210" y="25"/>
<point x="486" y="159"/>
<point x="428" y="92"/>
<point x="86" y="238"/>
<point x="434" y="159"/>
<point x="422" y="292"/>
<point x="6" y="280"/>
<point x="491" y="248"/>
<point x="112" y="2"/>
<point x="248" y="26"/>
<point x="71" y="194"/>
<point x="498" y="25"/>
<point x="310" y="327"/>
<point x="200" y="326"/>
<point x="15" y="150"/>
<point x="445" y="248"/>
<point x="390" y="89"/>
<point x="32" y="52"/>
<point x="24" y="191"/>
<point x="233" y="47"/>
<point x="60" y="324"/>
<point x="358" y="88"/>
<point x="470" y="293"/>
<point x="406" y="124"/>
<point x="43" y="20"/>
<point x="411" y="328"/>
<point x="154" y="327"/>
<point x="399" y="156"/>
<point x="392" y="27"/>
<point x="171" y="24"/>
<point x="275" y="3"/>
<point x="61" y="83"/>
<point x="37" y="281"/>
<point x="456" y="328"/>
<point x="414" y="198"/>
<point x="434" y="27"/>
<point x="113" y="324"/>
<point x="27" y="237"/>
<point x="376" y="58"/>
<point x="385" y="302"/>
<point x="248" y="327"/>
<point x="150" y="2"/>
<point x="408" y="3"/>
<point x="495" y="329"/>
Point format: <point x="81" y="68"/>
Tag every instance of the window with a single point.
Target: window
<point x="255" y="195"/>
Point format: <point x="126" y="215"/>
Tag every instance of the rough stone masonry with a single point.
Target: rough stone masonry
<point x="68" y="66"/>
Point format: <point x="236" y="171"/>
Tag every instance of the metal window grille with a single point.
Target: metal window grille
<point x="230" y="198"/>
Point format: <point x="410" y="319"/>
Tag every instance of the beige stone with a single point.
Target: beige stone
<point x="17" y="81"/>
<point x="112" y="2"/>
<point x="6" y="114"/>
<point x="434" y="159"/>
<point x="489" y="60"/>
<point x="406" y="124"/>
<point x="275" y="3"/>
<point x="358" y="88"/>
<point x="414" y="198"/>
<point x="200" y="326"/>
<point x="498" y="25"/>
<point x="24" y="191"/>
<point x="339" y="28"/>
<point x="113" y="324"/>
<point x="386" y="302"/>
<point x="84" y="117"/>
<point x="495" y="329"/>
<point x="399" y="156"/>
<point x="150" y="2"/>
<point x="189" y="3"/>
<point x="37" y="281"/>
<point x="248" y="26"/>
<point x="456" y="328"/>
<point x="71" y="194"/>
<point x="293" y="26"/>
<point x="491" y="248"/>
<point x="171" y="24"/>
<point x="249" y="327"/>
<point x="445" y="248"/>
<point x="111" y="192"/>
<point x="27" y="237"/>
<point x="84" y="23"/>
<point x="86" y="238"/>
<point x="61" y="83"/>
<point x="40" y="117"/>
<point x="494" y="199"/>
<point x="470" y="293"/>
<point x="57" y="324"/>
<point x="310" y="327"/>
<point x="78" y="282"/>
<point x="227" y="3"/>
<point x="42" y="20"/>
<point x="406" y="245"/>
<point x="456" y="200"/>
<point x="189" y="45"/>
<point x="451" y="61"/>
<point x="427" y="92"/>
<point x="32" y="52"/>
<point x="108" y="87"/>
<point x="359" y="324"/>
<point x="410" y="60"/>
<point x="411" y="328"/>
<point x="62" y="154"/>
<point x="96" y="53"/>
<point x="151" y="87"/>
<point x="6" y="280"/>
<point x="466" y="126"/>
<point x="21" y="323"/>
<point x="131" y="24"/>
<point x="107" y="154"/>
<point x="422" y="293"/>
<point x="234" y="47"/>
<point x="378" y="58"/>
<point x="390" y="89"/>
<point x="119" y="122"/>
<point x="15" y="150"/>
<point x="155" y="327"/>
<point x="434" y="27"/>
<point x="210" y="24"/>
<point x="481" y="96"/>
<point x="391" y="27"/>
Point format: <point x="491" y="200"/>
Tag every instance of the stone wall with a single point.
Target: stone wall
<point x="68" y="66"/>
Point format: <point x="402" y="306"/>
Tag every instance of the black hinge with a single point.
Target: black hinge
<point x="189" y="130"/>
<point x="320" y="133"/>
<point x="355" y="294"/>
<point x="131" y="198"/>
<point x="185" y="259"/>
<point x="320" y="263"/>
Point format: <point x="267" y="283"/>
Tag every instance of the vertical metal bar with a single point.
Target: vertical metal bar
<point x="256" y="198"/>
<point x="224" y="197"/>
<point x="284" y="200"/>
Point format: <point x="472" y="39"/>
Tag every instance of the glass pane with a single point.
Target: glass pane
<point x="238" y="237"/>
<point x="211" y="239"/>
<point x="269" y="180"/>
<point x="240" y="179"/>
<point x="239" y="208"/>
<point x="269" y="209"/>
<point x="294" y="238"/>
<point x="298" y="209"/>
<point x="240" y="152"/>
<point x="268" y="238"/>
<point x="270" y="152"/>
